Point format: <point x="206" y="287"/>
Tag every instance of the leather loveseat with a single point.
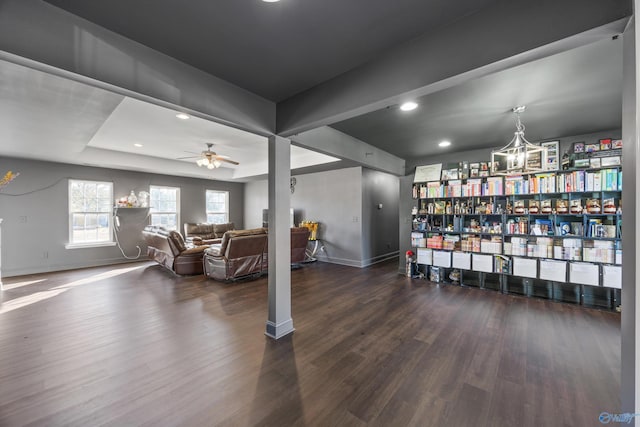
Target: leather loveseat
<point x="168" y="249"/>
<point x="239" y="254"/>
<point x="206" y="234"/>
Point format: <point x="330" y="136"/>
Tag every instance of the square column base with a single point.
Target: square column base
<point x="277" y="331"/>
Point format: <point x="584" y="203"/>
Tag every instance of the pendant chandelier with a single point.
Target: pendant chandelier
<point x="519" y="155"/>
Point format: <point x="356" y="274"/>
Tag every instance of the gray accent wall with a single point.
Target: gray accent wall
<point x="354" y="232"/>
<point x="380" y="198"/>
<point x="406" y="202"/>
<point x="35" y="229"/>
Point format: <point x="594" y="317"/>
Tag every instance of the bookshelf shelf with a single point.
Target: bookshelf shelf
<point x="479" y="216"/>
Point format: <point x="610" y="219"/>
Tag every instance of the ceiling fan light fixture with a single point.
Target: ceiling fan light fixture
<point x="409" y="106"/>
<point x="210" y="159"/>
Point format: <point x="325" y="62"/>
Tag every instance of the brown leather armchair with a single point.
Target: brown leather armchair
<point x="299" y="241"/>
<point x="239" y="254"/>
<point x="168" y="249"/>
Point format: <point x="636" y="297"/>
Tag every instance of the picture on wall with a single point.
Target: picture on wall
<point x="449" y="174"/>
<point x="553" y="154"/>
<point x="616" y="144"/>
<point x="578" y="147"/>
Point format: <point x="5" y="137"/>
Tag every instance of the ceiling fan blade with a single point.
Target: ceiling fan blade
<point x="188" y="157"/>
<point x="229" y="161"/>
<point x="220" y="157"/>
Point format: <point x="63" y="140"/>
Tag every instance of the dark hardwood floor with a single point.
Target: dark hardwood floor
<point x="134" y="345"/>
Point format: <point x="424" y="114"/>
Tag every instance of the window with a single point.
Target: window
<point x="90" y="213"/>
<point x="165" y="203"/>
<point x="217" y="207"/>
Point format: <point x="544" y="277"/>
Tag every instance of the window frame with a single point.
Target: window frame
<point x="152" y="210"/>
<point x="70" y="212"/>
<point x="226" y="205"/>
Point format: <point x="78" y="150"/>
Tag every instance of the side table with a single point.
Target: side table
<point x="313" y="247"/>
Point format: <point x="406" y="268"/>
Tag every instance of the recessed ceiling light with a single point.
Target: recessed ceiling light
<point x="444" y="144"/>
<point x="182" y="116"/>
<point x="137" y="145"/>
<point x="408" y="106"/>
<point x="270" y="1"/>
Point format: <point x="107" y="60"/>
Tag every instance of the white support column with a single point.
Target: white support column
<point x="279" y="322"/>
<point x="630" y="339"/>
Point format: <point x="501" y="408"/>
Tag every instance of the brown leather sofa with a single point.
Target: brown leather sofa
<point x="239" y="254"/>
<point x="168" y="249"/>
<point x="299" y="241"/>
<point x="206" y="234"/>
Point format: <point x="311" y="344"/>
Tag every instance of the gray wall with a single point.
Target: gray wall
<point x="35" y="226"/>
<point x="406" y="202"/>
<point x="353" y="230"/>
<point x="379" y="231"/>
<point x="333" y="198"/>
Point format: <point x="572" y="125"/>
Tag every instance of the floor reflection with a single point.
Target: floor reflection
<point x="277" y="399"/>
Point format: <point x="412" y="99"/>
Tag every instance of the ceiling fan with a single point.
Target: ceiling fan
<point x="210" y="159"/>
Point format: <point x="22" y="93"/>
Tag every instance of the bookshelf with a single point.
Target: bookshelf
<point x="552" y="234"/>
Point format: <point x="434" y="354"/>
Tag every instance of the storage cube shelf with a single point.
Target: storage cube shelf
<point x="561" y="227"/>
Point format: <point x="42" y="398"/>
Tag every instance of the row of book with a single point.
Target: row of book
<point x="544" y="183"/>
<point x="493" y="186"/>
<point x="576" y="181"/>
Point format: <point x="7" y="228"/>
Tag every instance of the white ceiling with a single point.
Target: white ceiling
<point x="47" y="117"/>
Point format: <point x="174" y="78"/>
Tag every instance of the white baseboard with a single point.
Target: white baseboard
<point x="379" y="258"/>
<point x="359" y="263"/>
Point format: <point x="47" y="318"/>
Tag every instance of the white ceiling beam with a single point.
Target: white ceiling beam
<point x="504" y="35"/>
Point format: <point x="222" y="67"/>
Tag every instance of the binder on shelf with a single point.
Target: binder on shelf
<point x="442" y="259"/>
<point x="454" y="189"/>
<point x="584" y="273"/>
<point x="461" y="260"/>
<point x="493" y="186"/>
<point x="514" y="185"/>
<point x="424" y="256"/>
<point x="472" y="188"/>
<point x="435" y="190"/>
<point x="482" y="263"/>
<point x="423" y="192"/>
<point x="418" y="240"/>
<point x="555" y="271"/>
<point x="502" y="264"/>
<point x="525" y="267"/>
